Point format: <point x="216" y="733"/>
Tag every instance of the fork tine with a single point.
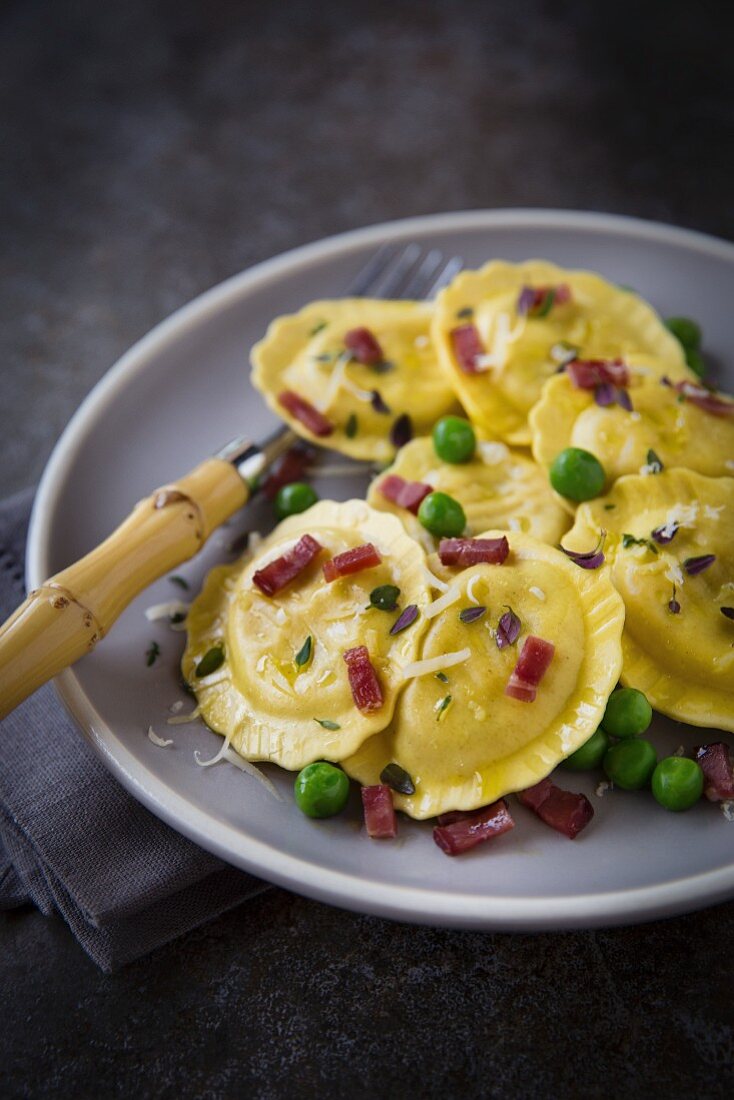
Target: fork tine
<point x="372" y="271"/>
<point x="400" y="271"/>
<point x="404" y="271"/>
<point x="451" y="268"/>
<point x="424" y="275"/>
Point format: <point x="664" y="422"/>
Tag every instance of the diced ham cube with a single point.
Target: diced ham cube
<point x="467" y="345"/>
<point x="280" y="572"/>
<point x="467" y="830"/>
<point x="587" y="374"/>
<point x="292" y="467"/>
<point x="366" y="690"/>
<point x="303" y="411"/>
<point x="364" y="346"/>
<point x="379" y="812"/>
<point x="705" y="399"/>
<point x="718" y="774"/>
<point x="453" y="815"/>
<point x="406" y="494"/>
<point x="466" y="552"/>
<point x="352" y="561"/>
<point x="564" y="811"/>
<point x="532" y="665"/>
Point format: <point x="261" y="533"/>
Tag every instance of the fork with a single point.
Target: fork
<point x="73" y="610"/>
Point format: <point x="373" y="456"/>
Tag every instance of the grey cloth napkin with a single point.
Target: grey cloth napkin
<point x="73" y="840"/>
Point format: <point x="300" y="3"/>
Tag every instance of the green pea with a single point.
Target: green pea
<point x="577" y="474"/>
<point x="628" y="713"/>
<point x="321" y="790"/>
<point x="590" y="755"/>
<point x="294" y="498"/>
<point x="677" y="783"/>
<point x="687" y="332"/>
<point x="442" y="515"/>
<point x="454" y="439"/>
<point x="629" y="764"/>
<point x="695" y="361"/>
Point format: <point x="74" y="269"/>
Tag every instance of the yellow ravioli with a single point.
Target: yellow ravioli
<point x="259" y="697"/>
<point x="683" y="662"/>
<point x="484" y="744"/>
<point x="679" y="432"/>
<point x="601" y="321"/>
<point x="305" y="353"/>
<point x="499" y="488"/>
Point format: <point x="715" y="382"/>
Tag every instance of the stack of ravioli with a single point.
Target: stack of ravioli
<point x="369" y="379"/>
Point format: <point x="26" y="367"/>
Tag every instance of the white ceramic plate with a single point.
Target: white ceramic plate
<point x="181" y="393"/>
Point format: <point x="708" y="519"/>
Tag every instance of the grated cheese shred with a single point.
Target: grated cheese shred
<point x="161" y="742"/>
<point x="436" y="664"/>
<point x="439" y="605"/>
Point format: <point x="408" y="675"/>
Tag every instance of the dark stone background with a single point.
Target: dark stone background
<point x="151" y="149"/>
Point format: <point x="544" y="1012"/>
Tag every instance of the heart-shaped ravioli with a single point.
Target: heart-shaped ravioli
<point x="498" y="488"/>
<point x="467" y="728"/>
<point x="358" y="375"/>
<point x="670" y="542"/>
<point x="682" y="425"/>
<point x="297" y="656"/>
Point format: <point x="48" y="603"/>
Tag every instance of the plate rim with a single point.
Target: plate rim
<point x="408" y="903"/>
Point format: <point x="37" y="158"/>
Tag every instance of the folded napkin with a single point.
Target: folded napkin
<point x="73" y="840"/>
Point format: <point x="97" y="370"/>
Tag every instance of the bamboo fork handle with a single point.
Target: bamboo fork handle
<point x="66" y="617"/>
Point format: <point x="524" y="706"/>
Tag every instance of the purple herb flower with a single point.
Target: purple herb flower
<point x="605" y="394"/>
<point x="471" y="614"/>
<point x="406" y="619"/>
<point x="591" y="559"/>
<point x="508" y="629"/>
<point x="665" y="534"/>
<point x="378" y="404"/>
<point x="694" y="566"/>
<point x="401" y="431"/>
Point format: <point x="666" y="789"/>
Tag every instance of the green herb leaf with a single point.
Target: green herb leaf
<point x="654" y="462"/>
<point x="442" y="677"/>
<point x="397" y="778"/>
<point x="180" y="582"/>
<point x="352" y="426"/>
<point x="323" y="358"/>
<point x="609" y="507"/>
<point x="318" y="328"/>
<point x="547" y="304"/>
<point x="630" y="540"/>
<point x="152" y="653"/>
<point x="303" y="656"/>
<point x="385" y="597"/>
<point x="442" y="706"/>
<point x="465" y="313"/>
<point x="211" y="661"/>
<point x="327" y="723"/>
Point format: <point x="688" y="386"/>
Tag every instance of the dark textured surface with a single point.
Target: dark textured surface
<point x="152" y="149"/>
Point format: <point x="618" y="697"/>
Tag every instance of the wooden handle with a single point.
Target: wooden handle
<point x="66" y="617"/>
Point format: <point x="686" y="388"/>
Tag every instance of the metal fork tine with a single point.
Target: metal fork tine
<point x="451" y="268"/>
<point x="373" y="271"/>
<point x="424" y="275"/>
<point x="404" y="271"/>
<point x="399" y="273"/>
